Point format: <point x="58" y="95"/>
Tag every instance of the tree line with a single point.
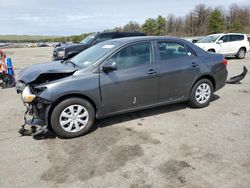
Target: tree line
<point x="202" y="20"/>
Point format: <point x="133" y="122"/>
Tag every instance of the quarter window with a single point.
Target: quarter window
<point x="173" y="50"/>
<point x="134" y="55"/>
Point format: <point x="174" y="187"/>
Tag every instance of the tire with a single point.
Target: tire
<point x="241" y="53"/>
<point x="70" y="125"/>
<point x="199" y="97"/>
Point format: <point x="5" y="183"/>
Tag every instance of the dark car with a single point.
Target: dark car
<point x="65" y="52"/>
<point x="119" y="76"/>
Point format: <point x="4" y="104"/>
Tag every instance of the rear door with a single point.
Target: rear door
<point x="235" y="42"/>
<point x="135" y="82"/>
<point x="178" y="68"/>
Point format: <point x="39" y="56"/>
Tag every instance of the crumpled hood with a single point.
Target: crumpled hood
<point x="31" y="73"/>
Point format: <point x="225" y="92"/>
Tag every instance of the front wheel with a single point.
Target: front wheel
<point x="72" y="117"/>
<point x="201" y="93"/>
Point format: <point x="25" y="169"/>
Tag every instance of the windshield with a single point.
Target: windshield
<point x="209" y="39"/>
<point x="93" y="54"/>
<point x="89" y="39"/>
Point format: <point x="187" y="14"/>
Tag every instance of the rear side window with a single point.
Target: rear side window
<point x="133" y="55"/>
<point x="173" y="50"/>
<point x="233" y="38"/>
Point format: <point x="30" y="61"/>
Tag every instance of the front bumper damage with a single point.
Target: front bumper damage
<point x="35" y="119"/>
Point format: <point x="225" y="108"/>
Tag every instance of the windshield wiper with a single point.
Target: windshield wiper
<point x="71" y="62"/>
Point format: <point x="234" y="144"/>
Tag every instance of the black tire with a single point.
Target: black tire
<point x="193" y="102"/>
<point x="241" y="53"/>
<point x="56" y="115"/>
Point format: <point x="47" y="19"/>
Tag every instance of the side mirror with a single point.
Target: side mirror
<point x="109" y="65"/>
<point x="220" y="41"/>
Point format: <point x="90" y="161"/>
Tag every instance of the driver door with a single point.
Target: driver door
<point x="223" y="47"/>
<point x="135" y="81"/>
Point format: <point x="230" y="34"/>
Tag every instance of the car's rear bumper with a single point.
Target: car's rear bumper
<point x="220" y="78"/>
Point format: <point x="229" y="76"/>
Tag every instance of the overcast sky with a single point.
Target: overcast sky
<point x="67" y="17"/>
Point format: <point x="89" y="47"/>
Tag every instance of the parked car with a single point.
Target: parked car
<point x="229" y="44"/>
<point x="118" y="76"/>
<point x="65" y="52"/>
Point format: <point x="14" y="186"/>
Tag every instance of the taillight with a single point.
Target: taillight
<point x="224" y="62"/>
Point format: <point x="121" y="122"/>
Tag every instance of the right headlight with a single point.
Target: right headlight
<point x="61" y="53"/>
<point x="27" y="96"/>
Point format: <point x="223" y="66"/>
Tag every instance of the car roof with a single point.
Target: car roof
<point x="113" y="32"/>
<point x="142" y="38"/>
<point x="227" y="34"/>
<point x="127" y="40"/>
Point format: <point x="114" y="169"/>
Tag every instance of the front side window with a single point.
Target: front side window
<point x="173" y="50"/>
<point x="133" y="55"/>
<point x="224" y="38"/>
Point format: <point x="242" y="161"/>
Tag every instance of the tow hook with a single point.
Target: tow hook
<point x="37" y="126"/>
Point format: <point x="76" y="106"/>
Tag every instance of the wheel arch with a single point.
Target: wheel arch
<point x="211" y="49"/>
<point x="64" y="97"/>
<point x="205" y="76"/>
<point x="243" y="47"/>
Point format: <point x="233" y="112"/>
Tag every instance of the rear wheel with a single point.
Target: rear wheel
<point x="72" y="117"/>
<point x="241" y="53"/>
<point x="201" y="93"/>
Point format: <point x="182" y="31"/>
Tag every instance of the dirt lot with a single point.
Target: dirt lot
<point x="172" y="146"/>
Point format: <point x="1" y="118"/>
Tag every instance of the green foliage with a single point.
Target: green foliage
<point x="150" y="27"/>
<point x="215" y="22"/>
<point x="131" y="27"/>
<point x="236" y="26"/>
<point x="161" y="25"/>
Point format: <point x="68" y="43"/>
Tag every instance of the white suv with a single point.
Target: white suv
<point x="229" y="44"/>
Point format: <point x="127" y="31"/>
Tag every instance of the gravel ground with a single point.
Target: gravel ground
<point x="171" y="146"/>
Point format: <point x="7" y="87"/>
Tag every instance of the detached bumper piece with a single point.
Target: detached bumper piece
<point x="237" y="79"/>
<point x="36" y="125"/>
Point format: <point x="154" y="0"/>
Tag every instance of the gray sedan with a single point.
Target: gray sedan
<point x="119" y="76"/>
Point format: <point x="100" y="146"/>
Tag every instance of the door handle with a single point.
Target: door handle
<point x="151" y="72"/>
<point x="195" y="65"/>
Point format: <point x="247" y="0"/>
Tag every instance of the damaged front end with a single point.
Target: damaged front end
<point x="31" y="86"/>
<point x="36" y="111"/>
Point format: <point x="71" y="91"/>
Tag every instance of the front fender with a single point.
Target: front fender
<point x="83" y="84"/>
